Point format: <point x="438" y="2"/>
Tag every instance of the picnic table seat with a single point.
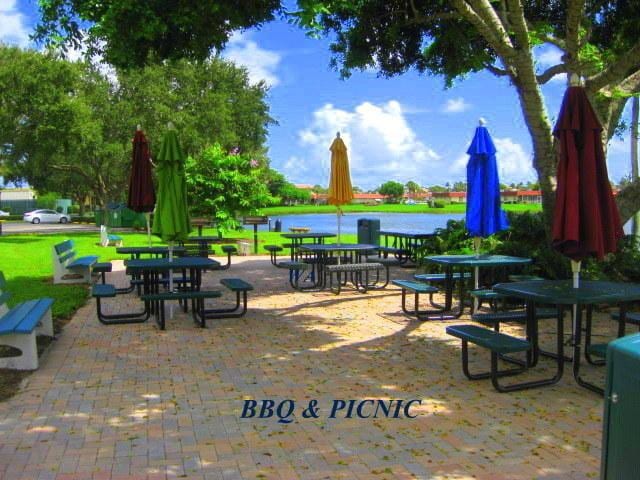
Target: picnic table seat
<point x="273" y="252"/>
<point x="417" y="288"/>
<point x="359" y="273"/>
<point x="67" y="267"/>
<point x="240" y="288"/>
<point x="229" y="250"/>
<point x="101" y="291"/>
<point x="19" y="327"/>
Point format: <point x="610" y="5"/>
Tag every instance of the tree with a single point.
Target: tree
<point x="412" y="187"/>
<point x="225" y="186"/>
<point x="58" y="123"/>
<point x="130" y="33"/>
<point x="459" y="186"/>
<point x="598" y="40"/>
<point x="393" y="190"/>
<point x="290" y="194"/>
<point x="67" y="128"/>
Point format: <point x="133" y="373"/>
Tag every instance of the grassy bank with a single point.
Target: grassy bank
<point x="389" y="208"/>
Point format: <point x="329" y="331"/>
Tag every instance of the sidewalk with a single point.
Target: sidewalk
<point x="131" y="402"/>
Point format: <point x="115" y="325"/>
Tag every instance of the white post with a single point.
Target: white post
<point x="147" y="217"/>
<point x="575" y="269"/>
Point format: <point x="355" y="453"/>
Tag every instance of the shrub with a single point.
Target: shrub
<point x="438" y="204"/>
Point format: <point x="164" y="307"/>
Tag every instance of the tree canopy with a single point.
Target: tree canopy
<point x="131" y="33"/>
<point x="68" y="128"/>
<point x="599" y="40"/>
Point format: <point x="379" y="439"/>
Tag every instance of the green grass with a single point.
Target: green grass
<point x="389" y="208"/>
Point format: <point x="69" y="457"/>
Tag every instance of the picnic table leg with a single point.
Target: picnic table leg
<point x="577" y="346"/>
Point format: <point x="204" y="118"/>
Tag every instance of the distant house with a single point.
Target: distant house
<point x="451" y="197"/>
<point x="521" y="196"/>
<point x="358" y="198"/>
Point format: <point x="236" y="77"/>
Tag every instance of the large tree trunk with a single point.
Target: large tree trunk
<point x="635" y="112"/>
<point x="544" y="155"/>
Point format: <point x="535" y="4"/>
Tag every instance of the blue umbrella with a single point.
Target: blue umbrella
<point x="484" y="215"/>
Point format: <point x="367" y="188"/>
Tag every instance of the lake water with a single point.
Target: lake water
<point x="414" y="222"/>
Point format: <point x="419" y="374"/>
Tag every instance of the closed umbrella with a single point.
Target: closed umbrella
<point x="171" y="219"/>
<point x="142" y="195"/>
<point x="484" y="215"/>
<point x="586" y="221"/>
<point x="340" y="190"/>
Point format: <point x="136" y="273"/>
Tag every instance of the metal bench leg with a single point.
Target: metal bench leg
<point x="235" y="312"/>
<point x="483" y="375"/>
<point x="122" y="318"/>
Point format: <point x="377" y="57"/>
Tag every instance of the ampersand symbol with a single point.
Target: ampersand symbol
<point x="312" y="410"/>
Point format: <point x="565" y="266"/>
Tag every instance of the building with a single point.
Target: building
<point x="521" y="196"/>
<point x="451" y="197"/>
<point x="17" y="200"/>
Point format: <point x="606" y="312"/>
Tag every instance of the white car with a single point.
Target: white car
<point x="46" y="216"/>
<point x="3" y="213"/>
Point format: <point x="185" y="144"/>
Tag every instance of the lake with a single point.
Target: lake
<point x="323" y="222"/>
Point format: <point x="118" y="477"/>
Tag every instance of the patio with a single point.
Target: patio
<point x="133" y="402"/>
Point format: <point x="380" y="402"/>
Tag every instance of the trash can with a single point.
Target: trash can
<point x="369" y="231"/>
<point x="278" y="227"/>
<point x="621" y="420"/>
<point x="244" y="247"/>
<point x="99" y="215"/>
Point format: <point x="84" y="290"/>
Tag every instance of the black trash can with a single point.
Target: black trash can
<point x="278" y="227"/>
<point x="369" y="231"/>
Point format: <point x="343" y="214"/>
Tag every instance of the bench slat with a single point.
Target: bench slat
<point x="513" y="316"/>
<point x="64" y="247"/>
<point x="24" y="317"/>
<point x="236" y="284"/>
<point x="354" y="267"/>
<point x="438" y="277"/>
<point x="419" y="287"/>
<point x="495" y="341"/>
<point x="83" y="261"/>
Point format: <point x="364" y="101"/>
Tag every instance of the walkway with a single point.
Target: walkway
<point x="131" y="402"/>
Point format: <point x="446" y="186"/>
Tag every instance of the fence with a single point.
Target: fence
<point x="18" y="207"/>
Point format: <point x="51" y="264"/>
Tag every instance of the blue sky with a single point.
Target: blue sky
<point x="405" y="128"/>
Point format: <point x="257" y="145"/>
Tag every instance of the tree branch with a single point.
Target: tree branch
<point x="615" y="72"/>
<point x="575" y="9"/>
<point x="518" y="23"/>
<point x="551" y="72"/>
<point x="496" y="37"/>
<point x="558" y="42"/>
<point x="65" y="167"/>
<point x="498" y="72"/>
<point x="628" y="200"/>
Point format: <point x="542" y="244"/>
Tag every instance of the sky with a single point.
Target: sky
<point x="405" y="128"/>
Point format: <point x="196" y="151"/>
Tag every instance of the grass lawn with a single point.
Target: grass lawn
<point x="391" y="208"/>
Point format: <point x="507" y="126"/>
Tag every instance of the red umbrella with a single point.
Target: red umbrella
<point x="142" y="196"/>
<point x="586" y="220"/>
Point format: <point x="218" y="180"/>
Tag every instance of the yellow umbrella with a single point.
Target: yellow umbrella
<point x="340" y="191"/>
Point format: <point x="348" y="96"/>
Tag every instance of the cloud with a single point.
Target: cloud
<point x="548" y="56"/>
<point x="456" y="105"/>
<point x="382" y="146"/>
<point x="514" y="164"/>
<point x="260" y="63"/>
<point x="13" y="30"/>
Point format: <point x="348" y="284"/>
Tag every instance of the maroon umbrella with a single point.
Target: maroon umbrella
<point x="142" y="196"/>
<point x="586" y="221"/>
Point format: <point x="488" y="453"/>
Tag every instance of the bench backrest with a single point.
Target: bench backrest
<point x="4" y="295"/>
<point x="65" y="251"/>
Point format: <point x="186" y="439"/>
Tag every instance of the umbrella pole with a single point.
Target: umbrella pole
<point x="171" y="269"/>
<point x="476" y="271"/>
<point x="147" y="217"/>
<point x="339" y="253"/>
<point x="575" y="270"/>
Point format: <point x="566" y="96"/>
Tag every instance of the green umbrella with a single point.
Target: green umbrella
<point x="171" y="219"/>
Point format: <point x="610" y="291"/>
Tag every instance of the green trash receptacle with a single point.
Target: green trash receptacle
<point x="99" y="216"/>
<point x="369" y="231"/>
<point x="621" y="420"/>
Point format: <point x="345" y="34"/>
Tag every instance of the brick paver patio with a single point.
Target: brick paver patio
<point x="131" y="402"/>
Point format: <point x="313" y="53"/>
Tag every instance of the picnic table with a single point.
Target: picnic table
<point x="562" y="294"/>
<point x="462" y="262"/>
<point x="407" y="242"/>
<point x="298" y="240"/>
<point x="158" y="252"/>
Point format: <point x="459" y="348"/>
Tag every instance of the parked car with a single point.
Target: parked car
<point x="46" y="216"/>
<point x="4" y="214"/>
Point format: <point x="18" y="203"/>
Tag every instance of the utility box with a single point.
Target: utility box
<point x="369" y="231"/>
<point x="621" y="421"/>
<point x="244" y="247"/>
